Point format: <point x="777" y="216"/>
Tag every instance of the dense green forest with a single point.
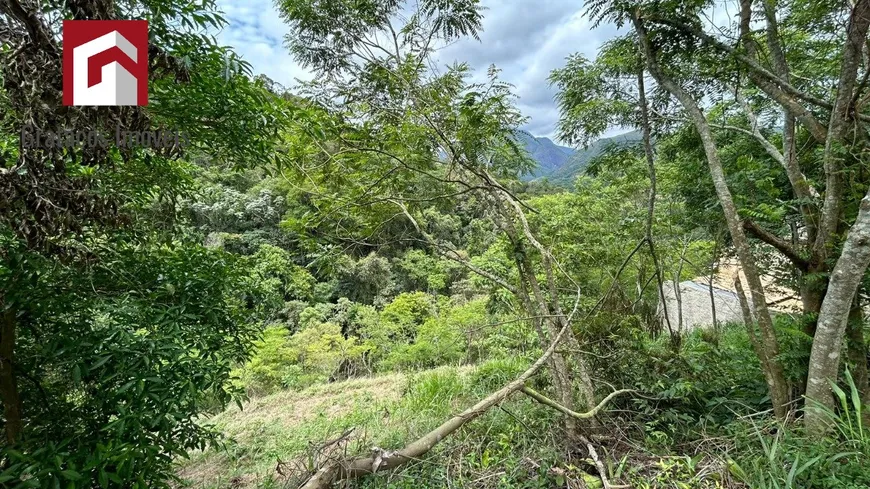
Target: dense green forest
<point x="378" y="278"/>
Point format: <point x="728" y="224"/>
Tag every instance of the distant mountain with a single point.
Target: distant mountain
<point x="561" y="165"/>
<point x="549" y="156"/>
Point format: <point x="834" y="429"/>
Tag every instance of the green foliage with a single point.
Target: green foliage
<point x="315" y="353"/>
<point x="701" y="387"/>
<point x="367" y="280"/>
<point x="407" y="313"/>
<point x="220" y="208"/>
<point x="272" y="365"/>
<point x="346" y="339"/>
<point x="330" y="219"/>
<point x="773" y="456"/>
<point x="422" y="271"/>
<point x="589" y="100"/>
<point x="441" y="340"/>
<point x="795" y="345"/>
<point x="121" y="331"/>
<point x="117" y="373"/>
<point x="274" y="269"/>
<point x="321" y="349"/>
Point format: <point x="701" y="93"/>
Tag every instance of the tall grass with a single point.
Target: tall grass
<point x="788" y="458"/>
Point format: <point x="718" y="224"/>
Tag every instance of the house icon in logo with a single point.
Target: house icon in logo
<point x="105" y="62"/>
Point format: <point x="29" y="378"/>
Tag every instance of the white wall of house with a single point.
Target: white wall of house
<point x="696" y="305"/>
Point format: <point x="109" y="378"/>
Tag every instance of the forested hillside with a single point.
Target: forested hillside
<point x="580" y="160"/>
<point x="548" y="156"/>
<point x="380" y="278"/>
<point x="561" y="165"/>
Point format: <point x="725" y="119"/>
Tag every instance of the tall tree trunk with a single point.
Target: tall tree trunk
<point x="550" y="267"/>
<point x="828" y="340"/>
<point x="532" y="297"/>
<point x="651" y="205"/>
<point x="779" y="392"/>
<point x="840" y="123"/>
<point x="8" y="384"/>
<point x="856" y="350"/>
<point x="713" y="265"/>
<point x="749" y="322"/>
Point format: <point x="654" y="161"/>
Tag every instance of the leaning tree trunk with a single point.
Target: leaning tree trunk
<point x="380" y="460"/>
<point x="776" y="382"/>
<point x="532" y="297"/>
<point x="828" y="341"/>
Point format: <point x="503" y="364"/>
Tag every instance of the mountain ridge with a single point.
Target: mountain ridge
<point x="561" y="164"/>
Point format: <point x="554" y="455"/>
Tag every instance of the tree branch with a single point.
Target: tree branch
<point x="574" y="414"/>
<point x="780" y="244"/>
<point x="749" y="62"/>
<point x="756" y="132"/>
<point x="452" y="254"/>
<point x="841" y="114"/>
<point x="36" y="28"/>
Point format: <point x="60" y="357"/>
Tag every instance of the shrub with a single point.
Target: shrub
<point x="272" y="364"/>
<point x="368" y="281"/>
<point x="119" y="366"/>
<point x="288" y="280"/>
<point x="439" y="340"/>
<point x="418" y="270"/>
<point x="406" y="313"/>
<point x="437" y="343"/>
<point x="702" y="386"/>
<point x="775" y="456"/>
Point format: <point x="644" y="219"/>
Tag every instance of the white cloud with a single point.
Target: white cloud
<point x="256" y="33"/>
<point x="526" y="39"/>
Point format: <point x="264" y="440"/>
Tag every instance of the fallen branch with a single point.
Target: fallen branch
<point x="558" y="407"/>
<point x="602" y="472"/>
<point x="383" y="459"/>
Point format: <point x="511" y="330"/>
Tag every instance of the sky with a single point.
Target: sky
<point x="526" y="39"/>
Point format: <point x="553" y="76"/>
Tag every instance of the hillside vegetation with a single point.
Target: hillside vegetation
<point x="370" y="280"/>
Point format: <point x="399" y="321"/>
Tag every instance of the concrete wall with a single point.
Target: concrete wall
<point x="696" y="308"/>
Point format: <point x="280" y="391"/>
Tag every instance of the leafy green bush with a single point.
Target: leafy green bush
<point x="272" y="365"/>
<point x="441" y="339"/>
<point x="116" y="378"/>
<point x="418" y="270"/>
<point x="437" y="343"/>
<point x="321" y="348"/>
<point x="794" y="346"/>
<point x="406" y="313"/>
<point x="313" y="354"/>
<point x="367" y="281"/>
<point x="274" y="266"/>
<point x="703" y="385"/>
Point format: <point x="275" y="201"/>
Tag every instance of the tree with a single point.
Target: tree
<point x="402" y="137"/>
<point x="694" y="66"/>
<point x="117" y="329"/>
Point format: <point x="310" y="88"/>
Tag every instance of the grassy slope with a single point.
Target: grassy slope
<point x="282" y="427"/>
<point x="274" y="439"/>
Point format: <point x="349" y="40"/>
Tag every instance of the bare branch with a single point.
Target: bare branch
<point x="780" y="244"/>
<point x="587" y="415"/>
